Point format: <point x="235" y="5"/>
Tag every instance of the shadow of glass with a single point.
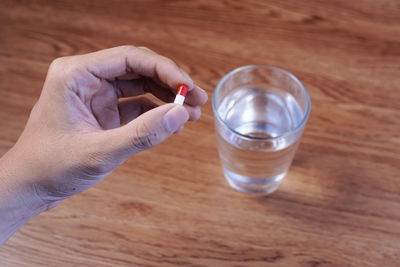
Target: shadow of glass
<point x="333" y="190"/>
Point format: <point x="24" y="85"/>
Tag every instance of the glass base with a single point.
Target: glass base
<point x="253" y="186"/>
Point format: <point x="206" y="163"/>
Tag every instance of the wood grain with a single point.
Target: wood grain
<point x="339" y="205"/>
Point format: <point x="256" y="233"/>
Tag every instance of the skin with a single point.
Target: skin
<point x="91" y="116"/>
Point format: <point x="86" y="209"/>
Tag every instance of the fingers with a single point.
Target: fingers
<point x="149" y="129"/>
<point x="131" y="108"/>
<point x="196" y="97"/>
<point x="119" y="61"/>
<point x="133" y="69"/>
<point x="126" y="62"/>
<point x="194" y="112"/>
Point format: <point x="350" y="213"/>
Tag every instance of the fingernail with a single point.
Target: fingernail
<point x="201" y="88"/>
<point x="175" y="118"/>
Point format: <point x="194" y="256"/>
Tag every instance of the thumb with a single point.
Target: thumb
<point x="148" y="130"/>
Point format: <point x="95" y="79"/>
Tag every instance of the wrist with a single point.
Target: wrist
<point x="19" y="201"/>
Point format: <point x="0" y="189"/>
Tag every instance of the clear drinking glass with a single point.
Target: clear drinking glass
<point x="260" y="113"/>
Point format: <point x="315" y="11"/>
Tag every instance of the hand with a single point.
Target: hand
<point x="92" y="115"/>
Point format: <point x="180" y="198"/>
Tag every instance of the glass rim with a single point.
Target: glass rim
<point x="258" y="66"/>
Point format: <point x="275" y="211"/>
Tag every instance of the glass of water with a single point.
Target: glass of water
<point x="260" y="113"/>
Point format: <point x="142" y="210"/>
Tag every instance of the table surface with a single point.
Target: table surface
<point x="339" y="204"/>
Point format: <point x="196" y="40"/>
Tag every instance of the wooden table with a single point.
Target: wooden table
<point x="340" y="203"/>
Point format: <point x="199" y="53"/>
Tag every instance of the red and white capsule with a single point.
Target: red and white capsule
<point x="181" y="94"/>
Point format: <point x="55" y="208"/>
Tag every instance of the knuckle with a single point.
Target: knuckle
<point x="58" y="63"/>
<point x="61" y="66"/>
<point x="146" y="49"/>
<point x="65" y="70"/>
<point x="144" y="139"/>
<point x="128" y="48"/>
<point x="168" y="61"/>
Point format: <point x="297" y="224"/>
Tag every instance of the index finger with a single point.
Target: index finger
<point x="118" y="61"/>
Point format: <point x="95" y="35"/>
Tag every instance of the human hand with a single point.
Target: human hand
<point x="86" y="122"/>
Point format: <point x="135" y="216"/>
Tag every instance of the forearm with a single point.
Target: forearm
<point x="18" y="202"/>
